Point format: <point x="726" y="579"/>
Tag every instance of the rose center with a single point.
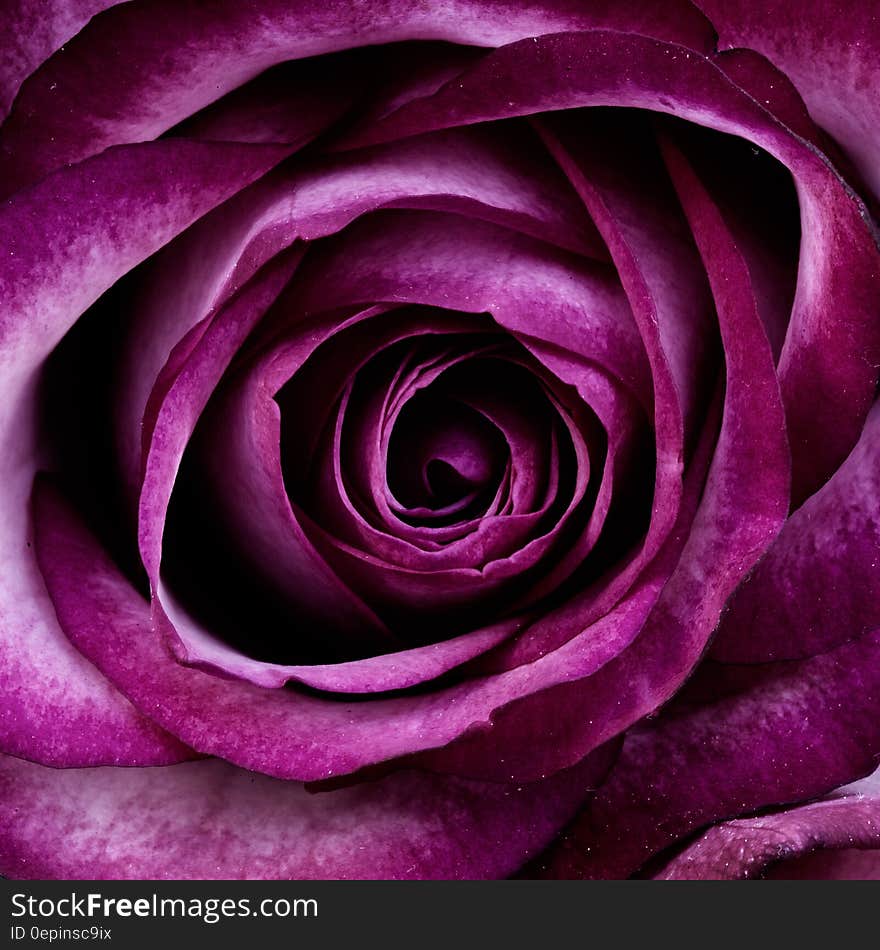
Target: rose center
<point x="443" y="453"/>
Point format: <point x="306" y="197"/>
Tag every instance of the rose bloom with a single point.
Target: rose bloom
<point x="439" y="440"/>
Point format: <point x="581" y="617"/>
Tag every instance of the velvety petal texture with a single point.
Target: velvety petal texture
<point x="570" y="70"/>
<point x="151" y="79"/>
<point x="439" y="440"/>
<point x="793" y="728"/>
<point x="66" y="244"/>
<point x="830" y="54"/>
<point x="835" y="838"/>
<point x="34" y="31"/>
<point x="222" y="822"/>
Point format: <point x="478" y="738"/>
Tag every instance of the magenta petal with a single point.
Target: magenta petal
<point x="819" y="584"/>
<point x="291" y="105"/>
<point x="67" y="240"/>
<point x="464" y="171"/>
<point x="279" y="732"/>
<point x="829" y="363"/>
<point x="373" y="674"/>
<point x="743" y="505"/>
<point x="196" y="646"/>
<point x="773" y="89"/>
<point x="830" y="51"/>
<point x="446" y="261"/>
<point x="211" y="820"/>
<point x="497" y="175"/>
<point x="739" y="739"/>
<point x="837" y="837"/>
<point x="32" y="31"/>
<point x="151" y="79"/>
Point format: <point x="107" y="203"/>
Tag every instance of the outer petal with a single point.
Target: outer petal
<point x="830" y="51"/>
<point x="32" y="31"/>
<point x="151" y="79"/>
<point x="819" y="584"/>
<point x="212" y="820"/>
<point x="65" y="242"/>
<point x="836" y="837"/>
<point x="279" y="732"/>
<point x="738" y="739"/>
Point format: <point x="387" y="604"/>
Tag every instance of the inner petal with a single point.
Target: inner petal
<point x="441" y="452"/>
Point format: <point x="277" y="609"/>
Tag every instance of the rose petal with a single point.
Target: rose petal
<point x="838" y="837"/>
<point x="819" y="584"/>
<point x="32" y="31"/>
<point x="829" y="363"/>
<point x="243" y="477"/>
<point x="66" y="241"/>
<point x="481" y="240"/>
<point x="835" y="864"/>
<point x="744" y="504"/>
<point x="210" y="820"/>
<point x="151" y="79"/>
<point x="830" y="51"/>
<point x="384" y="673"/>
<point x="738" y="739"/>
<point x="291" y="104"/>
<point x="445" y="261"/>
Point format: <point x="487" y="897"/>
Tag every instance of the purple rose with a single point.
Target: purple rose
<point x="439" y="441"/>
